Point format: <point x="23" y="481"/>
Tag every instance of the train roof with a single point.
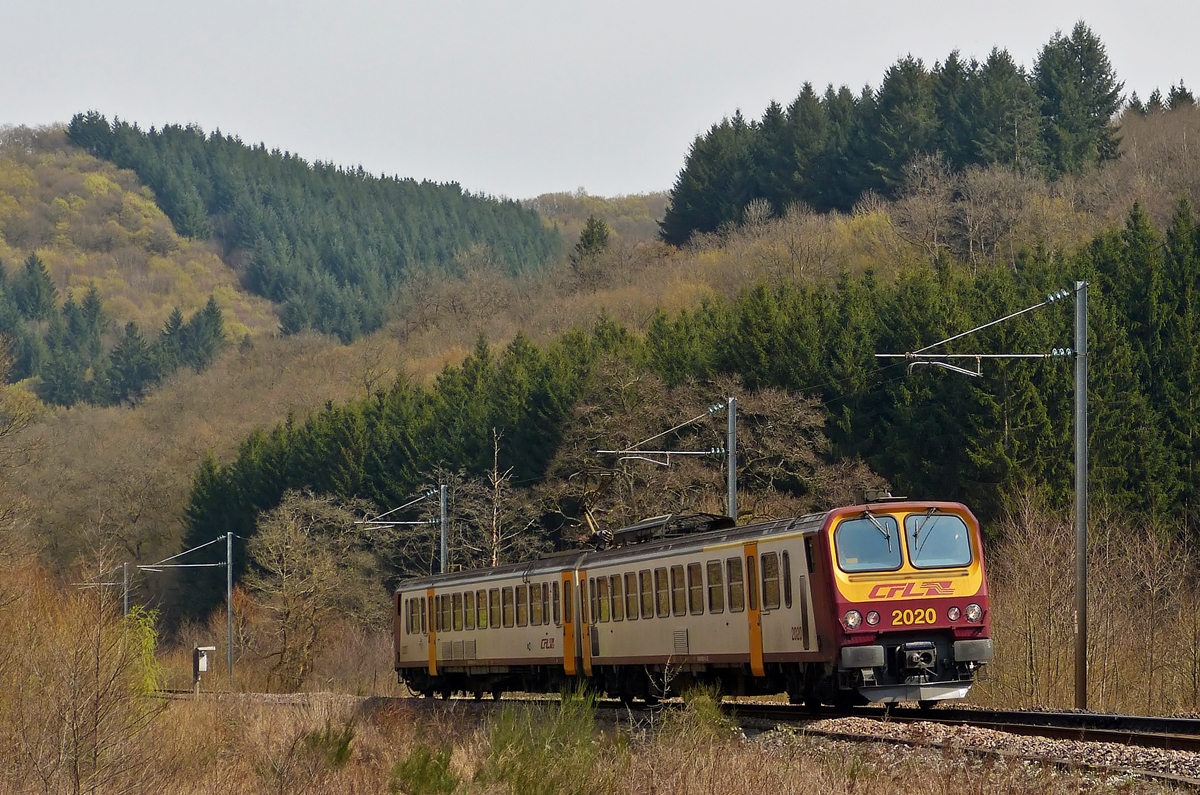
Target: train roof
<point x="690" y="534"/>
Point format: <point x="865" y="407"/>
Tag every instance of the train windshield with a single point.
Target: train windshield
<point x="937" y="540"/>
<point x="871" y="543"/>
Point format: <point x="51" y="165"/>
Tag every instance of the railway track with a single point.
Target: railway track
<point x="1157" y="749"/>
<point x="1172" y="734"/>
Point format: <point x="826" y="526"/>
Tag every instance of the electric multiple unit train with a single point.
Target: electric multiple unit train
<point x="881" y="602"/>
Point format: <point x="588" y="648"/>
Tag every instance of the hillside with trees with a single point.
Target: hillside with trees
<point x="503" y="383"/>
<point x="829" y="150"/>
<point x="331" y="245"/>
<point x="99" y="298"/>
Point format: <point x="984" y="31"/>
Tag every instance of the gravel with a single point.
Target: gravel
<point x="1110" y="756"/>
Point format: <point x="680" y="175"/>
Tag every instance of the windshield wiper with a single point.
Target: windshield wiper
<point x="870" y="517"/>
<point x="917" y="533"/>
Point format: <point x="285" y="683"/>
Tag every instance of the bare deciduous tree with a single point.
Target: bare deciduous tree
<point x="311" y="565"/>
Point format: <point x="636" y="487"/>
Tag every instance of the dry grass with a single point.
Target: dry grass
<point x="233" y="745"/>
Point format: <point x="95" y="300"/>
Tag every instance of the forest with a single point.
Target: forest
<point x="828" y="150"/>
<point x="330" y="245"/>
<point x="65" y="348"/>
<point x="986" y="441"/>
<point x="195" y="412"/>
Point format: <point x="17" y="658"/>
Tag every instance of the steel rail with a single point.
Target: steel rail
<point x="1172" y="734"/>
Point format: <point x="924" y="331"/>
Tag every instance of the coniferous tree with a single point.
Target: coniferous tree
<point x="203" y="337"/>
<point x="132" y="368"/>
<point x="34" y="290"/>
<point x="593" y="240"/>
<point x="1080" y="96"/>
<point x="1007" y="119"/>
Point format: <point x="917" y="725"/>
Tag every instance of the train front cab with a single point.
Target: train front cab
<point x="911" y="598"/>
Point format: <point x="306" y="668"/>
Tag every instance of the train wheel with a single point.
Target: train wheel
<point x="926" y="705"/>
<point x="496" y="693"/>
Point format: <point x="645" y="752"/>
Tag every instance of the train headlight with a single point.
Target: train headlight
<point x="953" y="614"/>
<point x="974" y="613"/>
<point x="852" y="619"/>
<point x="872" y="618"/>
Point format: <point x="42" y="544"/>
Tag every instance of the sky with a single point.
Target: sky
<point x="517" y="98"/>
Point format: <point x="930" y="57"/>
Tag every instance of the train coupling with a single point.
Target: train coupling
<point x="917" y="656"/>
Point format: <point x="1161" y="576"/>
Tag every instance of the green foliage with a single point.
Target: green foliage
<point x="827" y="152"/>
<point x="332" y="744"/>
<point x="423" y="772"/>
<point x="593" y="240"/>
<point x="330" y="244"/>
<point x="143" y="635"/>
<point x="65" y="347"/>
<point x="701" y="721"/>
<point x="382" y="447"/>
<point x="544" y="750"/>
<point x="1080" y="95"/>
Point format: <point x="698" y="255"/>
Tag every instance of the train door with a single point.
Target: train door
<point x="753" y="614"/>
<point x="569" y="624"/>
<point x="432" y="633"/>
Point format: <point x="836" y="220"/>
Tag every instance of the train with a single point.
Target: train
<point x="884" y="602"/>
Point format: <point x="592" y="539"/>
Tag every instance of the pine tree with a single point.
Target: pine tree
<point x="907" y="119"/>
<point x="34" y="290"/>
<point x="593" y="240"/>
<point x="1080" y="97"/>
<point x="954" y="93"/>
<point x="132" y="368"/>
<point x="1007" y="120"/>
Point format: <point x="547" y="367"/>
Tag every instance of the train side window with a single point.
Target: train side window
<point x="787" y="580"/>
<point x="535" y="605"/>
<point x="618" y="601"/>
<point x="554" y="601"/>
<point x="506" y="606"/>
<point x="469" y="610"/>
<point x="522" y="608"/>
<point x="481" y="609"/>
<point x="568" y="605"/>
<point x="591" y="593"/>
<point x="435" y="613"/>
<point x="751" y="582"/>
<point x="695" y="584"/>
<point x="602" y="597"/>
<point x="737" y="594"/>
<point x="423" y="613"/>
<point x="646" y="586"/>
<point x="662" y="593"/>
<point x="456" y="611"/>
<point x="417" y="609"/>
<point x="770" y="581"/>
<point x="716" y="587"/>
<point x="446" y="605"/>
<point x="631" y="595"/>
<point x="494" y="608"/>
<point x="677" y="591"/>
<point x="404" y="611"/>
<point x="808" y="555"/>
<point x="545" y="603"/>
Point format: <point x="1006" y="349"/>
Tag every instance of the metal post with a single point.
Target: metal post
<point x="1081" y="500"/>
<point x="445" y="522"/>
<point x="731" y="460"/>
<point x="229" y="604"/>
<point x="125" y="579"/>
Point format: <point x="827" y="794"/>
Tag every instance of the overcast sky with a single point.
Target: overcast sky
<point x="517" y="98"/>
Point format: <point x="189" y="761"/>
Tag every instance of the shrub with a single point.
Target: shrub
<point x="424" y="772"/>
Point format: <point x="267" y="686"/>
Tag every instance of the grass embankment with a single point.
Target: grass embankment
<point x="341" y="745"/>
